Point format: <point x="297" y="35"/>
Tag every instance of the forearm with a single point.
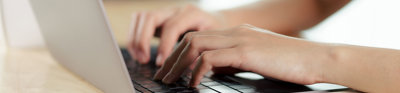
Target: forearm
<point x="283" y="16"/>
<point x="363" y="68"/>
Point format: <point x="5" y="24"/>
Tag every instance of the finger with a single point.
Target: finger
<point x="170" y="61"/>
<point x="215" y="58"/>
<point x="171" y="31"/>
<point x="132" y="31"/>
<point x="196" y="45"/>
<point x="144" y="33"/>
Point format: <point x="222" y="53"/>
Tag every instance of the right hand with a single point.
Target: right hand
<point x="250" y="49"/>
<point x="174" y="22"/>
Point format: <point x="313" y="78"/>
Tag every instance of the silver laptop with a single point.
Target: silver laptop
<point x="79" y="37"/>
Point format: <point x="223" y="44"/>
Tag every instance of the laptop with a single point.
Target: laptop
<point x="79" y="38"/>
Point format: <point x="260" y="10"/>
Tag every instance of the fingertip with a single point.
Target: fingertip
<point x="195" y="80"/>
<point x="132" y="52"/>
<point x="140" y="58"/>
<point x="169" y="78"/>
<point x="193" y="83"/>
<point x="157" y="76"/>
<point x="159" y="60"/>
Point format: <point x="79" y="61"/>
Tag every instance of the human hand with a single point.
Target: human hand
<point x="248" y="48"/>
<point x="174" y="22"/>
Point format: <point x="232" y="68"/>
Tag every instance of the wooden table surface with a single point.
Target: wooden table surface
<point x="35" y="71"/>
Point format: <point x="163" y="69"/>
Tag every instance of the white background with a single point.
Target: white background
<point x="363" y="22"/>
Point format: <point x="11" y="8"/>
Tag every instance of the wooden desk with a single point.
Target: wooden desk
<point x="35" y="71"/>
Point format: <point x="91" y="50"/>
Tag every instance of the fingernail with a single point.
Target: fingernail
<point x="159" y="59"/>
<point x="168" y="79"/>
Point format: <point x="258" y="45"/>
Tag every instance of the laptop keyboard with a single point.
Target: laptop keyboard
<point x="142" y="80"/>
<point x="143" y="83"/>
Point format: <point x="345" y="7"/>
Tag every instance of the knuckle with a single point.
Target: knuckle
<point x="237" y="30"/>
<point x="243" y="27"/>
<point x="188" y="36"/>
<point x="206" y="57"/>
<point x="194" y="42"/>
<point x="244" y="53"/>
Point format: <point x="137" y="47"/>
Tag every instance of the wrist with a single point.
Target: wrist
<point x="328" y="57"/>
<point x="330" y="68"/>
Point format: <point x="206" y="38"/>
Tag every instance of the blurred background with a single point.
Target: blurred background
<point x="361" y="22"/>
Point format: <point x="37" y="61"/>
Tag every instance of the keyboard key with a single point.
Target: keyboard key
<point x="141" y="89"/>
<point x="173" y="86"/>
<point x="207" y="91"/>
<point x="212" y="83"/>
<point x="249" y="90"/>
<point x="241" y="87"/>
<point x="224" y="89"/>
<point x="151" y="85"/>
<point x="208" y="74"/>
<point x="205" y="79"/>
<point x="149" y="75"/>
<point x="186" y="90"/>
<point x="177" y="89"/>
<point x="145" y="82"/>
<point x="201" y="87"/>
<point x="157" y="89"/>
<point x="230" y="83"/>
<point x="139" y="78"/>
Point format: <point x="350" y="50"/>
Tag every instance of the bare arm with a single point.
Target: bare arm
<point x="283" y="16"/>
<point x="286" y="58"/>
<point x="286" y="17"/>
<point x="364" y="68"/>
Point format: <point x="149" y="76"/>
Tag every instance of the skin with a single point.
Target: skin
<point x="287" y="17"/>
<point x="286" y="58"/>
<point x="174" y="22"/>
<point x="221" y="41"/>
